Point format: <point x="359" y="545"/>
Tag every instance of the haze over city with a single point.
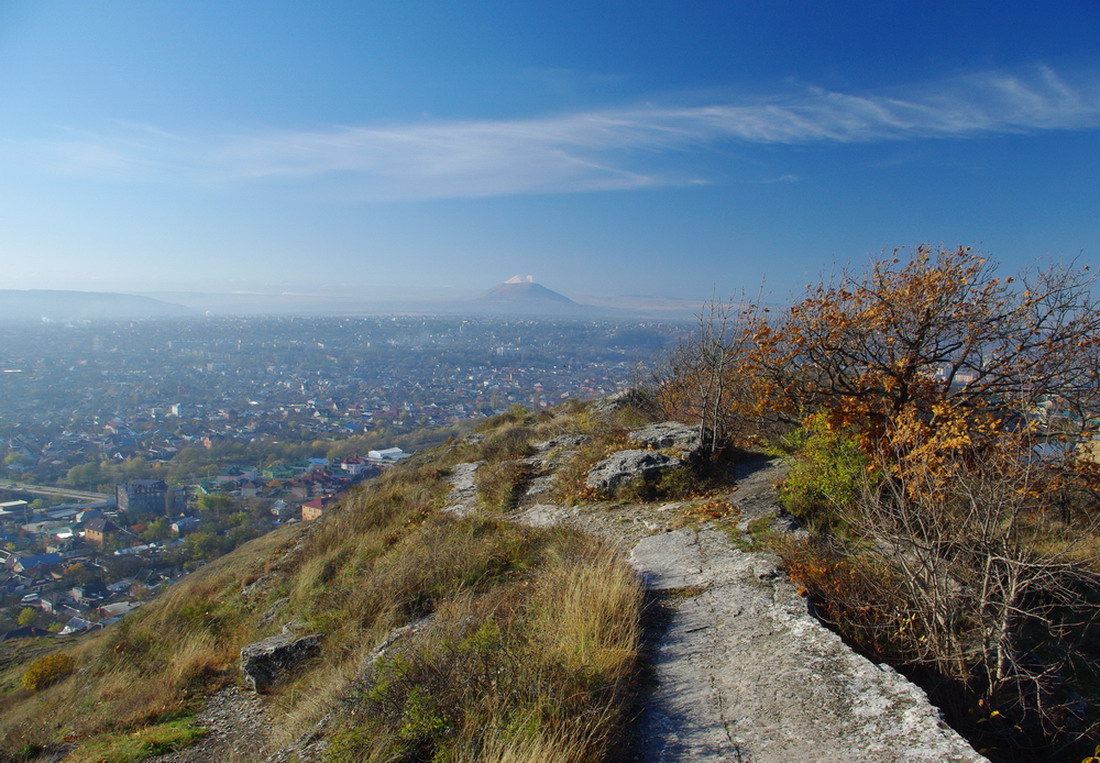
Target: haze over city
<point x="434" y="150"/>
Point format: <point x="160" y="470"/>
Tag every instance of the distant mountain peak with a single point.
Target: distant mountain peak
<point x="62" y="305"/>
<point x="524" y="289"/>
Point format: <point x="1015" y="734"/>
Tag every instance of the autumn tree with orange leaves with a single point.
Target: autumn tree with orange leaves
<point x="934" y="338"/>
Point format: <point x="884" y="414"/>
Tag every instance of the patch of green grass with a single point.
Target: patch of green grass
<point x="759" y="535"/>
<point x="125" y="746"/>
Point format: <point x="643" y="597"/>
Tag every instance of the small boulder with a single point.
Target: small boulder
<point x="612" y="403"/>
<point x="264" y="663"/>
<point x="623" y="467"/>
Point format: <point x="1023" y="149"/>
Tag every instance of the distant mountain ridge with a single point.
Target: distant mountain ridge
<point x="524" y="289"/>
<point x="58" y="305"/>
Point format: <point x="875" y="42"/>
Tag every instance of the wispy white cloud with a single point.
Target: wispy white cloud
<point x="600" y="150"/>
<point x="787" y="178"/>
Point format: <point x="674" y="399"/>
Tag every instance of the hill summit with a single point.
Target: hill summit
<point x="524" y="289"/>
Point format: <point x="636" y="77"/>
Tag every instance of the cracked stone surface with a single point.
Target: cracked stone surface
<point x="744" y="672"/>
<point x="740" y="670"/>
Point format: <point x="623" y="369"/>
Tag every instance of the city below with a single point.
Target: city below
<point x="134" y="451"/>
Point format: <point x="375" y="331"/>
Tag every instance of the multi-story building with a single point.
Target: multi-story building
<point x="142" y="497"/>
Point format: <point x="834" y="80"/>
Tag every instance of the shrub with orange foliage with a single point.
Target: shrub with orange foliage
<point x="939" y="339"/>
<point x="846" y="591"/>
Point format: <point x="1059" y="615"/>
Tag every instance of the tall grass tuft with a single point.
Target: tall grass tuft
<point x="540" y="665"/>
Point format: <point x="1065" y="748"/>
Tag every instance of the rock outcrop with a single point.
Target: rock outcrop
<point x="625" y="466"/>
<point x="744" y="672"/>
<point x="463" y="497"/>
<point x="740" y="668"/>
<point x="264" y="663"/>
<point x="670" y="434"/>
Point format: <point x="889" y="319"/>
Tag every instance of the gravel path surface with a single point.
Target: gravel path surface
<point x="237" y="729"/>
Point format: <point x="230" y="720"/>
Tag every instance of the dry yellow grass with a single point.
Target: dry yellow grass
<point x="588" y="613"/>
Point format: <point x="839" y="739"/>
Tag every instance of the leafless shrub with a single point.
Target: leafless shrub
<point x="975" y="589"/>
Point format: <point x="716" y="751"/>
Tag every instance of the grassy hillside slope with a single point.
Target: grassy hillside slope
<point x="528" y="654"/>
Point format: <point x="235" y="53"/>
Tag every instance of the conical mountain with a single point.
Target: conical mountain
<point x="524" y="289"/>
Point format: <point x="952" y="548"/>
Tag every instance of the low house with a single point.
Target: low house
<point x="315" y="508"/>
<point x="280" y="472"/>
<point x="386" y="456"/>
<point x="51" y="602"/>
<point x="356" y="466"/>
<point x="14" y="509"/>
<point x="118" y="609"/>
<point x="99" y="530"/>
<point x="121" y="586"/>
<point x="300" y="489"/>
<point x="283" y="510"/>
<point x="75" y="625"/>
<point x="89" y="593"/>
<point x="87" y="515"/>
<point x="185" y="525"/>
<point x="39" y="564"/>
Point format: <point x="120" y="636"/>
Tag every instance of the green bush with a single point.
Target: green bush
<point x="45" y="670"/>
<point x="674" y="483"/>
<point x="828" y="472"/>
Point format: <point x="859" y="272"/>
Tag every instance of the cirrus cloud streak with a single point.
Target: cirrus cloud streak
<point x="612" y="149"/>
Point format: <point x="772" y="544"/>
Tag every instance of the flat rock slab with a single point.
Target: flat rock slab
<point x="542" y="515"/>
<point x="462" y="499"/>
<point x="625" y="466"/>
<point x="745" y="673"/>
<point x="669" y="434"/>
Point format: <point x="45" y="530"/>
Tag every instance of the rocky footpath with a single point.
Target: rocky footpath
<point x="744" y="672"/>
<point x="740" y="670"/>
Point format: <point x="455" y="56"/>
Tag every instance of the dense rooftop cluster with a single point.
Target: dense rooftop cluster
<point x="73" y="394"/>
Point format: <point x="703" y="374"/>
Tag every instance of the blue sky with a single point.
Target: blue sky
<point x="659" y="148"/>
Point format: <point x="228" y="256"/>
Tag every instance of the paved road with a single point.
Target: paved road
<point x="80" y="495"/>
